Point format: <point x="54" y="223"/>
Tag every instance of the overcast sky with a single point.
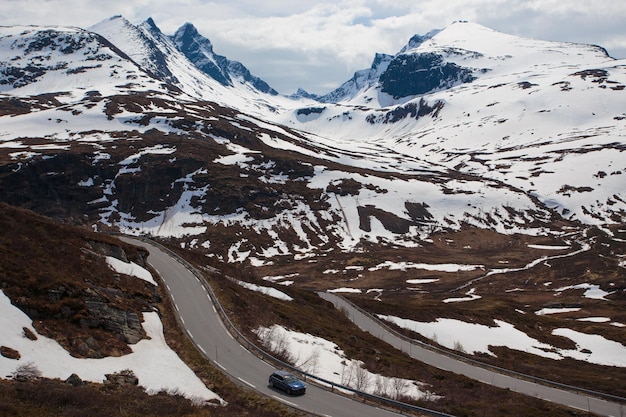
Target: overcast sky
<point x="317" y="45"/>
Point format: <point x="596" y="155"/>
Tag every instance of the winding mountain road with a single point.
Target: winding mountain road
<point x="203" y="324"/>
<point x="570" y="399"/>
<point x="200" y="319"/>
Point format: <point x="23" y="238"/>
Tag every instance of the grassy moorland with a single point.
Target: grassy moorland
<point x="513" y="297"/>
<point x="310" y="314"/>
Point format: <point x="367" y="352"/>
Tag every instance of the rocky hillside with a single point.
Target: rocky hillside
<point x="117" y="146"/>
<point x="58" y="275"/>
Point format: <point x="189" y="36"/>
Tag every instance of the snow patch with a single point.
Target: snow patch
<point x="157" y="366"/>
<point x="130" y="268"/>
<point x="326" y="360"/>
<point x="476" y="338"/>
<point x="272" y="292"/>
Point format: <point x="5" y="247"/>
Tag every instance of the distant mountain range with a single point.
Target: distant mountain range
<point x="122" y="127"/>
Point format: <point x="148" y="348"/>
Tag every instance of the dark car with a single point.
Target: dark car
<point x="287" y="382"/>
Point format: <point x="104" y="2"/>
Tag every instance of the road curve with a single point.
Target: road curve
<point x="567" y="398"/>
<point x="202" y="323"/>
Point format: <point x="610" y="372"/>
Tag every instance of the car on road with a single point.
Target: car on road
<point x="287" y="382"/>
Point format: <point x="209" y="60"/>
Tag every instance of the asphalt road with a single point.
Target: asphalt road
<point x="201" y="321"/>
<point x="570" y="399"/>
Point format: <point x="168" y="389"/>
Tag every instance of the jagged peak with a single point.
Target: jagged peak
<point x="417" y="40"/>
<point x="199" y="50"/>
<point x="116" y="20"/>
<point x="151" y="26"/>
<point x="188" y="28"/>
<point x="302" y="93"/>
<point x="380" y="58"/>
<point x="188" y="33"/>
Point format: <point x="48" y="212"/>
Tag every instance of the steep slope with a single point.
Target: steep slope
<point x="544" y="117"/>
<point x="362" y="80"/>
<point x="163" y="163"/>
<point x="64" y="63"/>
<point x="402" y="74"/>
<point x="228" y="83"/>
<point x="63" y="282"/>
<point x="199" y="51"/>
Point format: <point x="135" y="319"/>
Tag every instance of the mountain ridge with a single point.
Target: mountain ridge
<point x="454" y="181"/>
<point x="199" y="50"/>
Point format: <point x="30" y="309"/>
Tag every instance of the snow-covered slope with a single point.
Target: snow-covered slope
<point x="533" y="136"/>
<point x="187" y="61"/>
<point x="44" y="60"/>
<point x="545" y="117"/>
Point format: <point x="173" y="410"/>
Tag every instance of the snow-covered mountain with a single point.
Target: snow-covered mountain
<point x="461" y="53"/>
<point x="187" y="61"/>
<point x="48" y="60"/>
<point x="401" y="76"/>
<point x="464" y="126"/>
<point x="544" y="117"/>
<point x="199" y="51"/>
<point x="360" y="81"/>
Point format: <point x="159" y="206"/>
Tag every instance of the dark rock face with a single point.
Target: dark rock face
<point x="310" y="110"/>
<point x="415" y="74"/>
<point x="57" y="275"/>
<point x="125" y="324"/>
<point x="390" y="221"/>
<point x="199" y="51"/>
<point x="195" y="48"/>
<point x="10" y="353"/>
<point x="412" y="110"/>
<point x="49" y="186"/>
<point x="122" y="378"/>
<point x="419" y="212"/>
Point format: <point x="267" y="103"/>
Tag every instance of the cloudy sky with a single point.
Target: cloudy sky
<point x="319" y="44"/>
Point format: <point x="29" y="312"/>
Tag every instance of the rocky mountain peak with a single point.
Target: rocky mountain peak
<point x="140" y="43"/>
<point x="456" y="152"/>
<point x="199" y="50"/>
<point x="302" y="93"/>
<point x="151" y="25"/>
<point x="417" y="40"/>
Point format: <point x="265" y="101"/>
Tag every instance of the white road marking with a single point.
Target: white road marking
<point x="246" y="382"/>
<point x="282" y="400"/>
